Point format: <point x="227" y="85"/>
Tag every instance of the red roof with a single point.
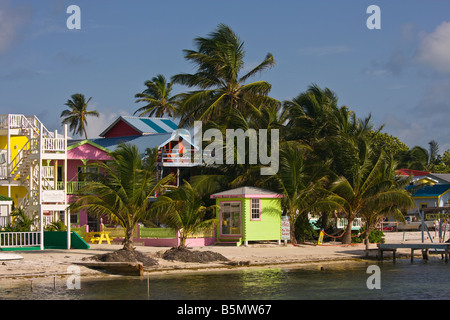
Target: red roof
<point x="409" y="172"/>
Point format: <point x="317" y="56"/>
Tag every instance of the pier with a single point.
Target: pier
<point x="442" y="248"/>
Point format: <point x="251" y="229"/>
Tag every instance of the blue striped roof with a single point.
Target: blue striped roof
<point x="145" y="125"/>
<point x="430" y="190"/>
<point x="141" y="142"/>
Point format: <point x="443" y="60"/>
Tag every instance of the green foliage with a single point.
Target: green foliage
<point x="375" y="236"/>
<point x="122" y="192"/>
<point x="76" y="115"/>
<point x="56" y="226"/>
<point x="304" y="230"/>
<point x="158" y="98"/>
<point x="222" y="93"/>
<point x="382" y="141"/>
<point x="183" y="210"/>
<point x="20" y="222"/>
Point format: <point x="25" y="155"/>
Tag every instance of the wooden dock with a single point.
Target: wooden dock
<point x="442" y="248"/>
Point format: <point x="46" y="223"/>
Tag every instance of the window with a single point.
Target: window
<point x="256" y="209"/>
<point x="74" y="218"/>
<point x="231" y="218"/>
<point x="423" y="205"/>
<point x="83" y="173"/>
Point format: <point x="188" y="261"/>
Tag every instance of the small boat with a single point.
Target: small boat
<point x="122" y="268"/>
<point x="10" y="256"/>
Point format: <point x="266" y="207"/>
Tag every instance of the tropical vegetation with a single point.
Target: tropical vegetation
<point x="183" y="210"/>
<point x="76" y="115"/>
<point x="332" y="162"/>
<point x="158" y="98"/>
<point x="121" y="191"/>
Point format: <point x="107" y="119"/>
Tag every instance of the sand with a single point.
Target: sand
<point x="56" y="262"/>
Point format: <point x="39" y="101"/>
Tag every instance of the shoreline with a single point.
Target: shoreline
<point x="55" y="262"/>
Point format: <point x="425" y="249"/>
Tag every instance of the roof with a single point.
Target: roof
<point x="440" y="176"/>
<point x="145" y="125"/>
<point x="141" y="142"/>
<point x="5" y="198"/>
<point x="246" y="192"/>
<point x="435" y="190"/>
<point x="408" y="172"/>
<point x="76" y="143"/>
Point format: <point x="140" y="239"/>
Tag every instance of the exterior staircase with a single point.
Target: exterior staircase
<point x="29" y="168"/>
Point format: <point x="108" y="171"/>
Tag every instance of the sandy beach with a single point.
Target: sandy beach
<point x="56" y="262"/>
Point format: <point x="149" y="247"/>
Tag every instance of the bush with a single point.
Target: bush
<point x="375" y="236"/>
<point x="304" y="230"/>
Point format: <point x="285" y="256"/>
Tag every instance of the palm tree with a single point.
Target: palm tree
<point x="392" y="198"/>
<point x="419" y="158"/>
<point x="369" y="190"/>
<point x="122" y="191"/>
<point x="157" y="98"/>
<point x="221" y="89"/>
<point x="183" y="210"/>
<point x="302" y="181"/>
<point x="21" y="221"/>
<point x="76" y="115"/>
<point x="313" y="115"/>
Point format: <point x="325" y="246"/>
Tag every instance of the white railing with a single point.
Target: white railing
<point x="341" y="223"/>
<point x="19" y="121"/>
<point x="29" y="148"/>
<point x="4" y="221"/>
<point x="48" y="172"/>
<point x="185" y="156"/>
<point x="53" y="145"/>
<point x="3" y="172"/>
<point x="19" y="239"/>
<point x="36" y="123"/>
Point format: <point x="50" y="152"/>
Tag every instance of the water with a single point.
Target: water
<point x="400" y="280"/>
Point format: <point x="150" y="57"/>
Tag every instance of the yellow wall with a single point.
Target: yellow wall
<point x="3" y="142"/>
<point x="17" y="143"/>
<point x="16" y="193"/>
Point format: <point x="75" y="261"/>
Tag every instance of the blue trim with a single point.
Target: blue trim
<point x="153" y="125"/>
<point x="170" y="124"/>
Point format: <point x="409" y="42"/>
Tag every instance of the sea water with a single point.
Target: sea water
<point x="426" y="280"/>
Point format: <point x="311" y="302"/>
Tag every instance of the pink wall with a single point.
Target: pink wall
<point x="87" y="151"/>
<point x="83" y="152"/>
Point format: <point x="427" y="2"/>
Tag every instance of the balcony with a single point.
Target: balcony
<point x="72" y="186"/>
<point x="176" y="158"/>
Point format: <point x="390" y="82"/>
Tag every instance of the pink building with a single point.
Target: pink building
<point x="79" y="155"/>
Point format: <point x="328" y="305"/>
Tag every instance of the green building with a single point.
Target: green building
<point x="248" y="214"/>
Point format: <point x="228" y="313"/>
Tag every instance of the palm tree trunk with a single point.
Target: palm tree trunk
<point x="347" y="237"/>
<point x="366" y="239"/>
<point x="182" y="240"/>
<point x="128" y="240"/>
<point x="292" y="230"/>
<point x="85" y="133"/>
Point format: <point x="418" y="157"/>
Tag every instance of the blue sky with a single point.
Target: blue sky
<point x="400" y="73"/>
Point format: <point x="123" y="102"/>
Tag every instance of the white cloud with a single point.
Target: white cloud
<point x="434" y="49"/>
<point x="11" y="20"/>
<point x="95" y="125"/>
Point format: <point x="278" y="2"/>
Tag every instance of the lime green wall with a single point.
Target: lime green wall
<point x="268" y="228"/>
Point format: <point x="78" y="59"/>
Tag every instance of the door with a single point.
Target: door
<point x="230" y="218"/>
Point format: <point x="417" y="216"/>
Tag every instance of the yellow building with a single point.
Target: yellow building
<point x="31" y="158"/>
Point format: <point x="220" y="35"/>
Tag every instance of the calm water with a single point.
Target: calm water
<point x="400" y="280"/>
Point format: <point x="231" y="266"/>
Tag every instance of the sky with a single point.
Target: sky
<point x="399" y="73"/>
